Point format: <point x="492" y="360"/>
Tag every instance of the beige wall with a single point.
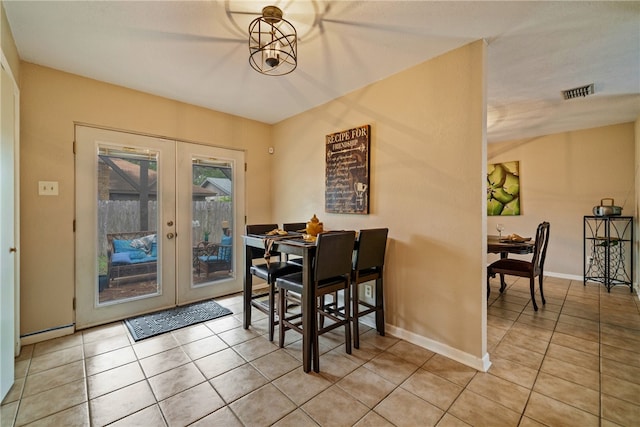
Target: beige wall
<point x="51" y="102"/>
<point x="427" y="164"/>
<point x="563" y="176"/>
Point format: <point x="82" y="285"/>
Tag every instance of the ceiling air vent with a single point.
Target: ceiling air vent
<point x="578" y="91"/>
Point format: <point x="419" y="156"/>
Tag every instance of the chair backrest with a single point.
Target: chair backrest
<point x="371" y="247"/>
<point x="540" y="248"/>
<point x="294" y="226"/>
<point x="260" y="229"/>
<point x="225" y="250"/>
<point x="333" y="254"/>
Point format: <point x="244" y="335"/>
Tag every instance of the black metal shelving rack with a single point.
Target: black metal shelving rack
<point x="608" y="250"/>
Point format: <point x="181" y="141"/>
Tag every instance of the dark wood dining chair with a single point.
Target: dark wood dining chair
<point x="331" y="274"/>
<point x="269" y="272"/>
<point x="522" y="268"/>
<point x="368" y="264"/>
<point x="294" y="226"/>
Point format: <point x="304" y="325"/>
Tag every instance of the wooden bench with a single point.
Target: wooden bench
<point x="131" y="254"/>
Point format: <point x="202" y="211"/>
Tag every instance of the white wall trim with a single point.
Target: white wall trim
<point x="481" y="364"/>
<point x="37" y="337"/>
<point x="7" y="68"/>
<point x="564" y="276"/>
<point x="16" y="160"/>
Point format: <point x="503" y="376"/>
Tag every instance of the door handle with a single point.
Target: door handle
<point x="170" y="235"/>
<point x="13" y="250"/>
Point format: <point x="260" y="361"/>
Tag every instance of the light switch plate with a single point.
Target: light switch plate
<point x="48" y="188"/>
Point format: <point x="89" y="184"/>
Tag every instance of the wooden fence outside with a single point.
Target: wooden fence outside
<point x="124" y="216"/>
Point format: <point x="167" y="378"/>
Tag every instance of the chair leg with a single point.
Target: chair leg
<point x="503" y="284"/>
<point x="347" y="319"/>
<point x="541" y="292"/>
<point x="315" y="351"/>
<point x="379" y="307"/>
<point x="533" y="291"/>
<point x="282" y="310"/>
<point x="272" y="310"/>
<point x="322" y="302"/>
<point x="354" y="315"/>
<point x="488" y="286"/>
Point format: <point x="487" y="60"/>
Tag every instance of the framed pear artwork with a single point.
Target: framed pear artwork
<point x="503" y="189"/>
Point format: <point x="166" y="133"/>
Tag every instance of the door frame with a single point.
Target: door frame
<point x="85" y="315"/>
<point x="11" y="288"/>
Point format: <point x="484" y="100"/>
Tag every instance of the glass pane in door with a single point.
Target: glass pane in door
<point x="127" y="238"/>
<point x="212" y="220"/>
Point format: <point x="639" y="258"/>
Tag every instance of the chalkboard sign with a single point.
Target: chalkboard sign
<point x="347" y="178"/>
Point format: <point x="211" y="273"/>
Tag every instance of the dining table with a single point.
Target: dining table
<point x="504" y="247"/>
<point x="292" y="244"/>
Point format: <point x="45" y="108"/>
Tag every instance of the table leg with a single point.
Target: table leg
<point x="247" y="285"/>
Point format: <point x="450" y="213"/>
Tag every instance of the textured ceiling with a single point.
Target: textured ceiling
<point x="197" y="52"/>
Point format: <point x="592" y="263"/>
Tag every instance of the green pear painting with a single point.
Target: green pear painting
<point x="503" y="189"/>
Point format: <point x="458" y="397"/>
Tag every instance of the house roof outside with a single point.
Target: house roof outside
<point x="120" y="189"/>
<point x="222" y="186"/>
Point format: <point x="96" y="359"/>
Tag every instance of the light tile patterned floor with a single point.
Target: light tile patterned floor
<point x="575" y="362"/>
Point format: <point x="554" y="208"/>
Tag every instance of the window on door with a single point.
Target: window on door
<point x="127" y="208"/>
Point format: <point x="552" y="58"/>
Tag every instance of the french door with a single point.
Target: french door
<point x="158" y="223"/>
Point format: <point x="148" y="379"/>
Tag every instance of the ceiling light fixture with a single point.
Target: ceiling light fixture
<point x="273" y="42"/>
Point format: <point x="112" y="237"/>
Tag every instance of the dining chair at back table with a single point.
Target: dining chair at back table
<point x="331" y="273"/>
<point x="269" y="271"/>
<point x="522" y="268"/>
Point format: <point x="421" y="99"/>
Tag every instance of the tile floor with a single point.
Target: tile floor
<point x="575" y="362"/>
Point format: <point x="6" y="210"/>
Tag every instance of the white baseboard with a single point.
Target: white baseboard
<point x="564" y="276"/>
<point x="37" y="337"/>
<point x="481" y="364"/>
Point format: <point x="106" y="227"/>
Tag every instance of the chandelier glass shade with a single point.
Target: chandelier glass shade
<point x="273" y="43"/>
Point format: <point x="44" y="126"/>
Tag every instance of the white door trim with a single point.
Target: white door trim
<point x="13" y="259"/>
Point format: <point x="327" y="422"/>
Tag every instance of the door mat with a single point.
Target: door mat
<point x="152" y="324"/>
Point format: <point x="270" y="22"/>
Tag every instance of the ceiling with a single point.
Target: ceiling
<point x="197" y="52"/>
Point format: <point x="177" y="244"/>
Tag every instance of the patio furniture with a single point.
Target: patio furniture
<point x="131" y="254"/>
<point x="214" y="257"/>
